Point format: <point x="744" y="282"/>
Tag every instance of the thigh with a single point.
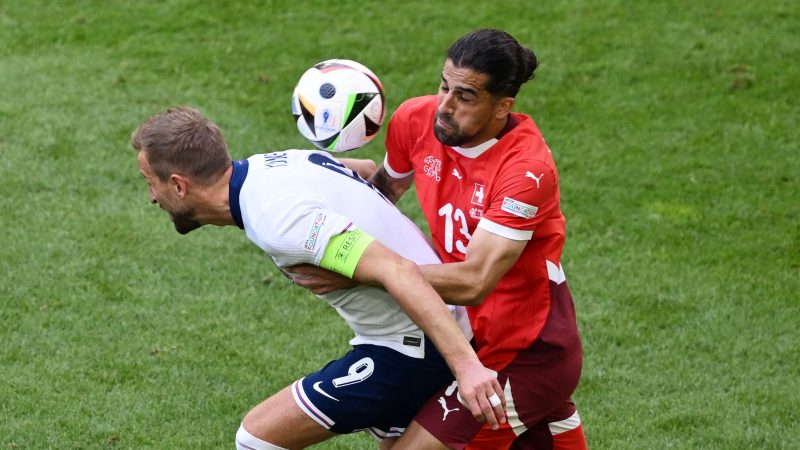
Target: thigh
<point x="444" y="418"/>
<point x="279" y="421"/>
<point x="560" y="430"/>
<point x="417" y="438"/>
<point x="539" y="387"/>
<point x="516" y="435"/>
<point x="534" y="390"/>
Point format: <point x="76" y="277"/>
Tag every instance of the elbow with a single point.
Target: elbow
<point x="401" y="269"/>
<point x="480" y="284"/>
<point x="475" y="292"/>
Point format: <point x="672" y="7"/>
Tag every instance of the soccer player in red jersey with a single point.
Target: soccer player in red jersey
<point x="488" y="186"/>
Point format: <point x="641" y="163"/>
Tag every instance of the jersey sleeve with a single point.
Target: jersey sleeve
<point x="344" y="251"/>
<point x="299" y="234"/>
<point x="398" y="144"/>
<point x="522" y="197"/>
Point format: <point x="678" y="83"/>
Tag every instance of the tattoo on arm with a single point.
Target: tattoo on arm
<point x="392" y="188"/>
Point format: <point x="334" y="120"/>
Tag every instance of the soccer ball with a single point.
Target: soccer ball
<point x="338" y="105"/>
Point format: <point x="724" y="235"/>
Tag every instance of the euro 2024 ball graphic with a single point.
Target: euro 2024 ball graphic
<point x="338" y="105"/>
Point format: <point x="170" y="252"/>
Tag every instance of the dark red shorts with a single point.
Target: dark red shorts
<point x="535" y="390"/>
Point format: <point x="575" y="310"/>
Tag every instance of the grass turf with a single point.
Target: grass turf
<point x="672" y="124"/>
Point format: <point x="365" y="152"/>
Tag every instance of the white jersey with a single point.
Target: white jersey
<point x="292" y="203"/>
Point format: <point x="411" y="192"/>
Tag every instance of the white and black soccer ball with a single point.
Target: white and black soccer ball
<point x="338" y="105"/>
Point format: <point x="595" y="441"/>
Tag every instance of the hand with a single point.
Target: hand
<point x="363" y="167"/>
<point x="318" y="280"/>
<point x="479" y="390"/>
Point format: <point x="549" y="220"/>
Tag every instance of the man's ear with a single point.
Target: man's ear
<point x="180" y="183"/>
<point x="503" y="107"/>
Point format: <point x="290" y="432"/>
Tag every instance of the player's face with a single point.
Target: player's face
<point x="165" y="195"/>
<point x="467" y="113"/>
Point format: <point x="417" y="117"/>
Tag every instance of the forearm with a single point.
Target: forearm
<point x="456" y="283"/>
<point x="424" y="306"/>
<point x="392" y="188"/>
<point x="402" y="279"/>
<point x="469" y="282"/>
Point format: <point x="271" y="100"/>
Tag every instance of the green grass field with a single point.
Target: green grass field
<point x="671" y="123"/>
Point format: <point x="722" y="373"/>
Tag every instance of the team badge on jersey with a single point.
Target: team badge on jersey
<point x="432" y="167"/>
<point x="476" y="213"/>
<point x="477" y="195"/>
<point x="519" y="208"/>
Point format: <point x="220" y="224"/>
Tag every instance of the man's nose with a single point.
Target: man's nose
<point x="446" y="104"/>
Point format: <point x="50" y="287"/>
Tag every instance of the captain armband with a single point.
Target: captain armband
<point x="344" y="251"/>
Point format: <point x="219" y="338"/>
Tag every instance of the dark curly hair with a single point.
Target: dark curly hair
<point x="498" y="55"/>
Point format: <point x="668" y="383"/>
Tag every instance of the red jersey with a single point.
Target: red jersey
<point x="507" y="186"/>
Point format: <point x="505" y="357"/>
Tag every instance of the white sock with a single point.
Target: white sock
<point x="246" y="441"/>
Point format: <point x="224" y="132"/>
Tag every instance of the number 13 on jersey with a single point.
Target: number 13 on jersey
<point x="455" y="217"/>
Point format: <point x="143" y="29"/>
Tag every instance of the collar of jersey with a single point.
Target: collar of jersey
<point x="235" y="188"/>
<point x="478" y="150"/>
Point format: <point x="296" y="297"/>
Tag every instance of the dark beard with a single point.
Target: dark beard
<point x="185" y="222"/>
<point x="453" y="137"/>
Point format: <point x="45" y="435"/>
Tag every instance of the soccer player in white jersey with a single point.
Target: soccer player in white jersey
<point x="304" y="207"/>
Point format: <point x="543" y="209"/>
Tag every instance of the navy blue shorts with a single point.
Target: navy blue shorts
<point x="371" y="388"/>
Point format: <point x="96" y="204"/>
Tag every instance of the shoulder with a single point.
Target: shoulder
<point x="282" y="227"/>
<point x="524" y="161"/>
<point x="414" y="107"/>
<point x="524" y="146"/>
<point x="411" y="121"/>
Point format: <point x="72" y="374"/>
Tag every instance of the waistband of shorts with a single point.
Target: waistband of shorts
<point x="425" y="350"/>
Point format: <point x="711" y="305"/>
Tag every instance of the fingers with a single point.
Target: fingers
<point x="488" y="413"/>
<point x="489" y="406"/>
<point x="317" y="279"/>
<point x="312" y="284"/>
<point x="483" y="411"/>
<point x="306" y="278"/>
<point x="498" y="402"/>
<point x="481" y="408"/>
<point x="305" y="269"/>
<point x="499" y="394"/>
<point x="494" y="400"/>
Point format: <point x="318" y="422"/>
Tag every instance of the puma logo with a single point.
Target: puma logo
<point x="447" y="411"/>
<point x="456" y="174"/>
<point x="535" y="178"/>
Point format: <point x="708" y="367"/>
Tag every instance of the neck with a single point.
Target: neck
<point x="213" y="207"/>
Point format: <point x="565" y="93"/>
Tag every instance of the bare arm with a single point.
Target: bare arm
<point x="392" y="188"/>
<point x="489" y="257"/>
<point x="404" y="282"/>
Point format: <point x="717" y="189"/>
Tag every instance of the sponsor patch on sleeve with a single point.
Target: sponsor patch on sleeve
<point x="311" y="239"/>
<point x="519" y="208"/>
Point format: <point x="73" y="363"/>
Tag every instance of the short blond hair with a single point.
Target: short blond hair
<point x="181" y="140"/>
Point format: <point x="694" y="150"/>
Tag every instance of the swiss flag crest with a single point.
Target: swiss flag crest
<point x="477" y="195"/>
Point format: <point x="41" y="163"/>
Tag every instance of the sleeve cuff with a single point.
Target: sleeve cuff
<point x="504" y="231"/>
<point x="393" y="173"/>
